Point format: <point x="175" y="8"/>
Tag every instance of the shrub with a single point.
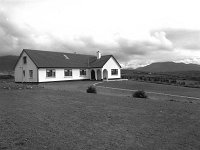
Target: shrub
<point x="6" y="77"/>
<point x="173" y="81"/>
<point x="139" y="94"/>
<point x="182" y="83"/>
<point x="91" y="89"/>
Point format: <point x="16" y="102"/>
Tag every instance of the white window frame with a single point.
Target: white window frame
<point x="53" y="74"/>
<point x="83" y="70"/>
<point x="31" y="74"/>
<point x="24" y="60"/>
<point x="68" y="71"/>
<point x="114" y="72"/>
<point x="24" y="73"/>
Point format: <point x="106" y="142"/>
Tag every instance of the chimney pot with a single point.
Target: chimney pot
<point x="98" y="55"/>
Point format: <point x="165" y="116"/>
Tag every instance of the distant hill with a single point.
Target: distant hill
<point x="7" y="63"/>
<point x="169" y="67"/>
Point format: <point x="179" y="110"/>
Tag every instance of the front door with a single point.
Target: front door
<point x="93" y="75"/>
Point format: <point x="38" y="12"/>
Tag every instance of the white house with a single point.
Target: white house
<point x="46" y="66"/>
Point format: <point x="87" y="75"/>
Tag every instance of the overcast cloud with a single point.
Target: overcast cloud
<point x="184" y="38"/>
<point x="135" y="34"/>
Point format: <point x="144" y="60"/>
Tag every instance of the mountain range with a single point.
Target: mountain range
<point x="169" y="67"/>
<point x="7" y="64"/>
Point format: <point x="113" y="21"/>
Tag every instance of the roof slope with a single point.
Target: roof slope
<point x="47" y="59"/>
<point x="98" y="63"/>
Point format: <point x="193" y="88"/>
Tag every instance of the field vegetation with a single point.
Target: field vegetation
<point x="153" y="88"/>
<point x="7" y="82"/>
<point x="184" y="78"/>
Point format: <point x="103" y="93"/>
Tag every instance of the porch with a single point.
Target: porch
<point x="98" y="74"/>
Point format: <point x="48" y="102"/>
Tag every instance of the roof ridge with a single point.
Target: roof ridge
<point x="57" y="52"/>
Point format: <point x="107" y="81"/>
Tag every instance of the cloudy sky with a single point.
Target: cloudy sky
<point x="136" y="32"/>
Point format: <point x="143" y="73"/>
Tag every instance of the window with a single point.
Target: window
<point x="83" y="72"/>
<point x="50" y="73"/>
<point x="66" y="57"/>
<point x="24" y="73"/>
<point x="24" y="60"/>
<point x="114" y="71"/>
<point x="68" y="72"/>
<point x="31" y="73"/>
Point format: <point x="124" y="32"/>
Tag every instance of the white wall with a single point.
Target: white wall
<point x="60" y="75"/>
<point x="28" y="66"/>
<point x="111" y="64"/>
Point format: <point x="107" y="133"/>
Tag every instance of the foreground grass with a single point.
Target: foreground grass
<point x="51" y="119"/>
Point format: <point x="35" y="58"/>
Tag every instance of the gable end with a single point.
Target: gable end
<point x="21" y="56"/>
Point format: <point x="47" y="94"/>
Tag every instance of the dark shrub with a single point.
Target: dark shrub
<point x="6" y="77"/>
<point x="173" y="81"/>
<point x="91" y="89"/>
<point x="139" y="94"/>
<point x="182" y="83"/>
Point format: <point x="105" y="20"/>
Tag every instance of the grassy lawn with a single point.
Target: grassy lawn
<point x="55" y="119"/>
<point x="153" y="87"/>
<point x="69" y="85"/>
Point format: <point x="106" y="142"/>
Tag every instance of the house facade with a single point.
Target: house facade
<point x="44" y="66"/>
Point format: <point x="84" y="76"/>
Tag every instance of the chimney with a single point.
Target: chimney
<point x="98" y="55"/>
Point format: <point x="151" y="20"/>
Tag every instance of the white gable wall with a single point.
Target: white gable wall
<point x="19" y="77"/>
<point x="60" y="75"/>
<point x="112" y="64"/>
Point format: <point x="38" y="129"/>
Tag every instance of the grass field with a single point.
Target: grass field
<point x="153" y="87"/>
<point x="49" y="118"/>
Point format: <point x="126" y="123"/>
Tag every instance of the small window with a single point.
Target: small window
<point x="24" y="73"/>
<point x="83" y="72"/>
<point x="24" y="60"/>
<point x="68" y="72"/>
<point x="31" y="73"/>
<point x="114" y="71"/>
<point x="50" y="73"/>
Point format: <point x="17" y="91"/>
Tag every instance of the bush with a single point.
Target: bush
<point x="91" y="89"/>
<point x="139" y="94"/>
<point x="6" y="77"/>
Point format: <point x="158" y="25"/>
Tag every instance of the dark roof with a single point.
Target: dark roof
<point x="47" y="59"/>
